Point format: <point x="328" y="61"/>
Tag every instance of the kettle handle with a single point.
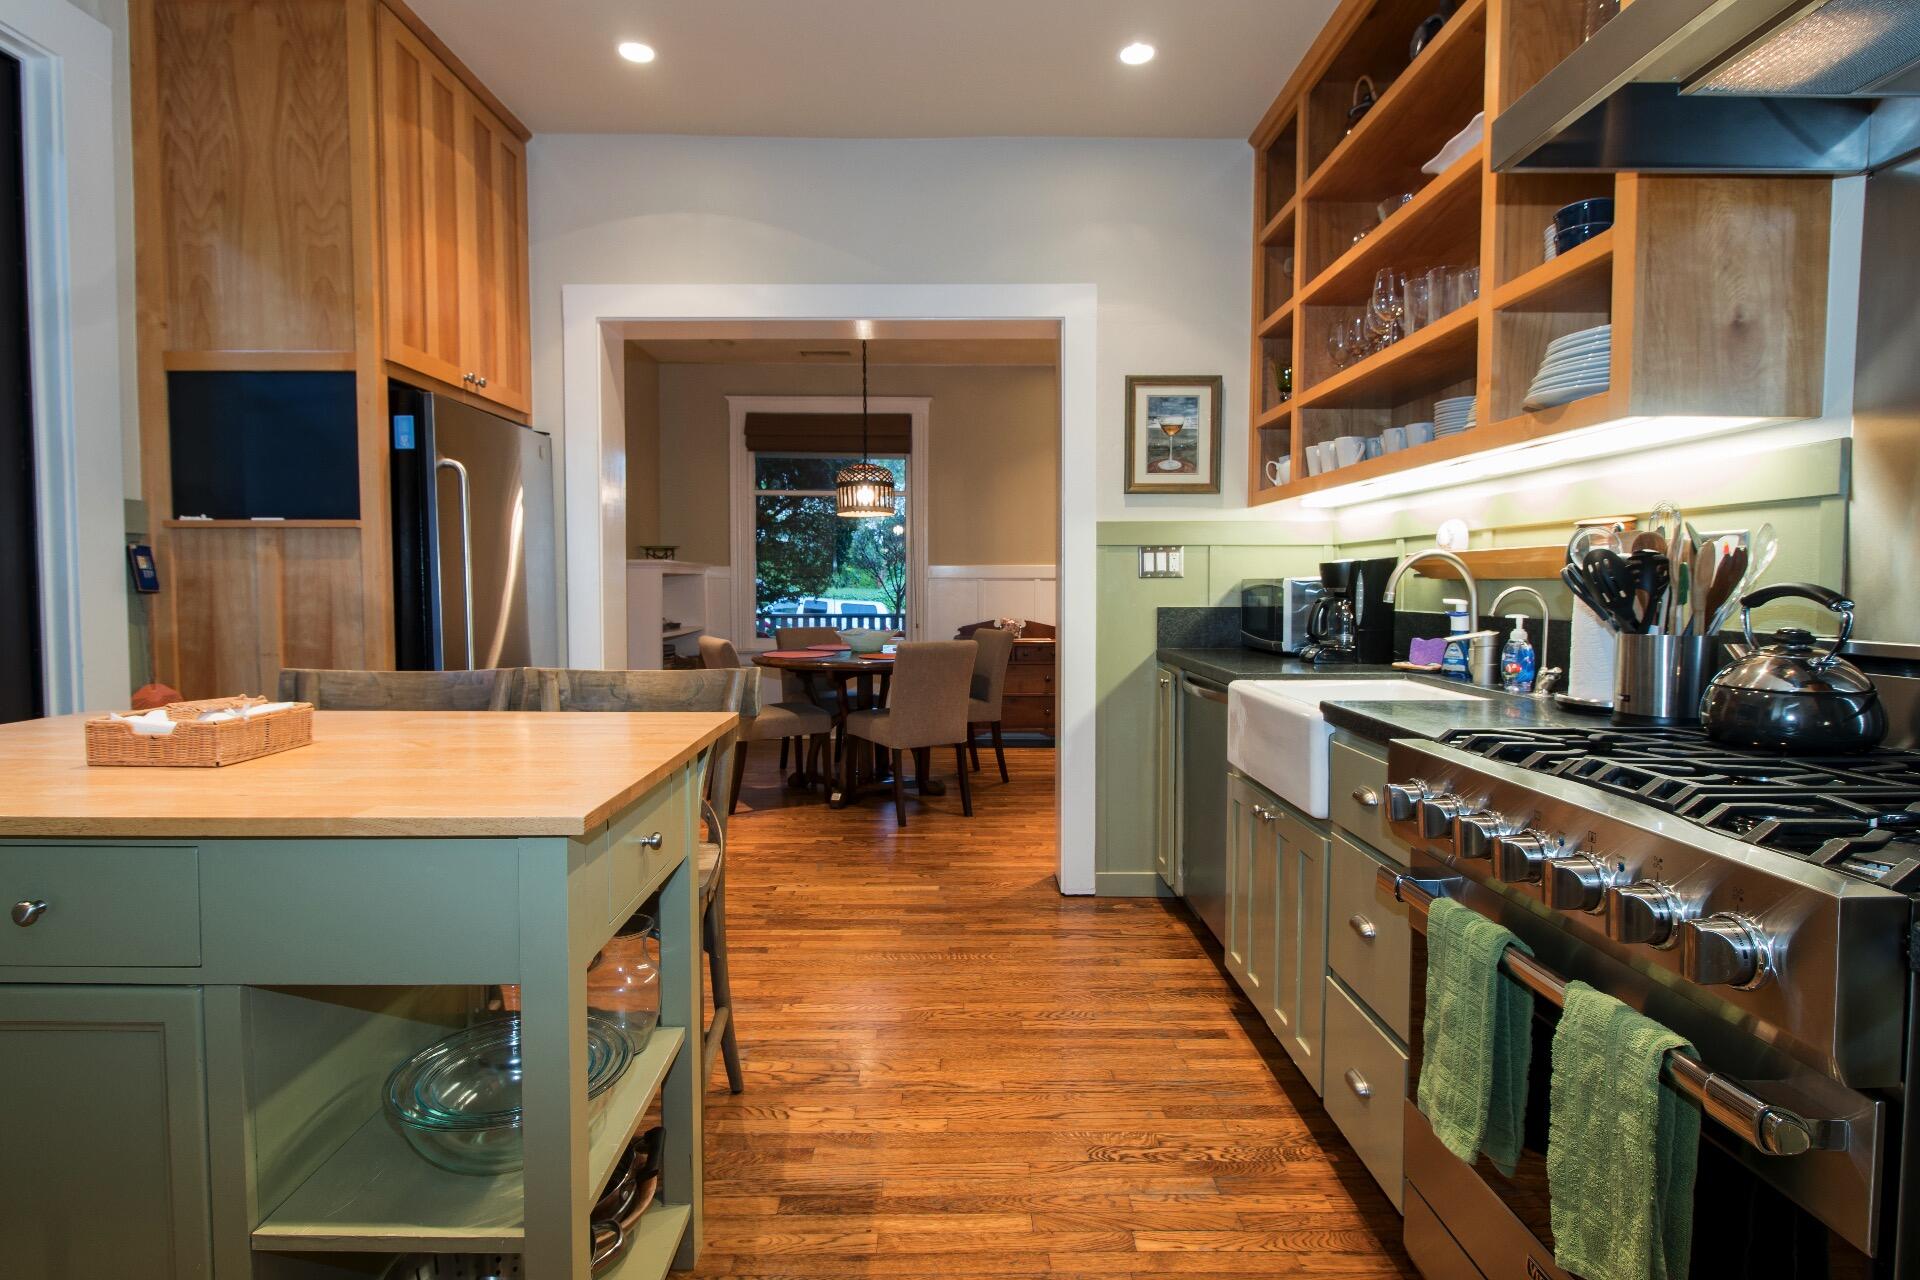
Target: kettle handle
<point x="1820" y="595"/>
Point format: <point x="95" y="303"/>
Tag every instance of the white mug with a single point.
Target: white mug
<point x="1278" y="470"/>
<point x="1393" y="439"/>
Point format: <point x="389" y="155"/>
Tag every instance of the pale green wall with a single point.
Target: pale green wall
<point x="1800" y="489"/>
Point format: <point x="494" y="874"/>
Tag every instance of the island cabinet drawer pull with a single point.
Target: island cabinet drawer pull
<point x="1366" y="797"/>
<point x="653" y="841"/>
<point x="29" y="910"/>
<point x="1358" y="1083"/>
<point x="1362" y="926"/>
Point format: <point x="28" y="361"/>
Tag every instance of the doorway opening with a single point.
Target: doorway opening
<point x="22" y="661"/>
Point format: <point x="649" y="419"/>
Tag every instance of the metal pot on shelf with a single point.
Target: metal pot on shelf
<point x="1791" y="695"/>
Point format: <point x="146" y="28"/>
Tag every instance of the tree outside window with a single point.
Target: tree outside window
<point x="810" y="562"/>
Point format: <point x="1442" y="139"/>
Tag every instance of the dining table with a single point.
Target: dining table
<point x="862" y="681"/>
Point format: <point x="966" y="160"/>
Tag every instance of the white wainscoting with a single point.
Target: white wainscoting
<point x="961" y="593"/>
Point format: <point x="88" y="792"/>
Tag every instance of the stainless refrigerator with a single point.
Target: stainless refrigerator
<point x="473" y="537"/>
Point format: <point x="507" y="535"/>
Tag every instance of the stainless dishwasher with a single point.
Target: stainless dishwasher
<point x="1203" y="799"/>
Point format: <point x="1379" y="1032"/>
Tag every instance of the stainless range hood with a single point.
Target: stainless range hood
<point x="1727" y="86"/>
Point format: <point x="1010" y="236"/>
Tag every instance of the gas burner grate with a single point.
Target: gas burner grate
<point x="1860" y="814"/>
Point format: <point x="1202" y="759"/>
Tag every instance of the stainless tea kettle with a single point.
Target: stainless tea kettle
<point x="1790" y="696"/>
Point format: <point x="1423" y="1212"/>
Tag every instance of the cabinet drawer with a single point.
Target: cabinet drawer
<point x="1027" y="714"/>
<point x="114" y="905"/>
<point x="636" y="868"/>
<point x="1366" y="1088"/>
<point x="1033" y="654"/>
<point x="1357" y="794"/>
<point x="1029" y="680"/>
<point x="1369" y="942"/>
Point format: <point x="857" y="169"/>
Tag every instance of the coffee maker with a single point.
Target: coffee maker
<point x="1350" y="622"/>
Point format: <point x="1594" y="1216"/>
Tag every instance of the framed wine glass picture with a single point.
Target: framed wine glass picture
<point x="1173" y="434"/>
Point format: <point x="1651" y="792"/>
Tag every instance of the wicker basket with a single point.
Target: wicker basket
<point x="200" y="746"/>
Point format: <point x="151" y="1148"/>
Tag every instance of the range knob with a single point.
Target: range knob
<point x="1643" y="912"/>
<point x="1724" y="950"/>
<point x="1575" y="883"/>
<point x="1520" y="857"/>
<point x="1437" y="813"/>
<point x="1474" y="834"/>
<point x="1403" y="799"/>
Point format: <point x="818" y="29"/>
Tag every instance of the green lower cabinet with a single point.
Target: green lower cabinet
<point x="1366" y="1087"/>
<point x="105" y="1088"/>
<point x="1277" y="916"/>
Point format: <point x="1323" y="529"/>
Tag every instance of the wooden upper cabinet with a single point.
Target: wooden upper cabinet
<point x="453" y="218"/>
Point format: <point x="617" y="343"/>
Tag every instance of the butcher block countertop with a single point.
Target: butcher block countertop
<point x="366" y="773"/>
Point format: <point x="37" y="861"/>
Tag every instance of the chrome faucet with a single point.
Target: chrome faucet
<point x="1544" y="677"/>
<point x="1482" y="661"/>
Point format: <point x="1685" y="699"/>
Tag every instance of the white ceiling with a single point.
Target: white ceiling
<point x="883" y="68"/>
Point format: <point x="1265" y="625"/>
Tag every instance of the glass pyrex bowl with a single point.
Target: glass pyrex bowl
<point x="457" y="1102"/>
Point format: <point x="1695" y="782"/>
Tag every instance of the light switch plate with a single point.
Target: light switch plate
<point x="1163" y="562"/>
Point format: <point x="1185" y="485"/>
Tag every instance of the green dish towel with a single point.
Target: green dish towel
<point x="1621" y="1146"/>
<point x="1478" y="1037"/>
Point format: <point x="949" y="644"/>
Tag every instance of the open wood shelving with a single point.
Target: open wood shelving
<point x="1683" y="345"/>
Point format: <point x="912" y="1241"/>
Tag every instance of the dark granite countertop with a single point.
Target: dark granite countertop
<point x="1382" y="721"/>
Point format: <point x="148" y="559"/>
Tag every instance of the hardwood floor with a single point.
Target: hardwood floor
<point x="954" y="1071"/>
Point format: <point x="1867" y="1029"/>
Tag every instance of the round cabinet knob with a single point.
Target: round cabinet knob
<point x="1437" y="814"/>
<point x="1724" y="950"/>
<point x="1644" y="913"/>
<point x="26" y="912"/>
<point x="1520" y="856"/>
<point x="1475" y="834"/>
<point x="653" y="841"/>
<point x="1577" y="883"/>
<point x="1403" y="799"/>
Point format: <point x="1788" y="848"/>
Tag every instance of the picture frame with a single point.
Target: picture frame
<point x="1173" y="433"/>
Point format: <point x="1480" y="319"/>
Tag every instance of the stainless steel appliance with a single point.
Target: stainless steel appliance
<point x="473" y="537"/>
<point x="1761" y="906"/>
<point x="1273" y="613"/>
<point x="1203" y="800"/>
<point x="1727" y="86"/>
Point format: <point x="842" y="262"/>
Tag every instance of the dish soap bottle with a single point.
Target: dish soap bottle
<point x="1517" y="659"/>
<point x="1453" y="662"/>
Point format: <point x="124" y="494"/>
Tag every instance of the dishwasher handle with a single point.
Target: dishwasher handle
<point x="1211" y="692"/>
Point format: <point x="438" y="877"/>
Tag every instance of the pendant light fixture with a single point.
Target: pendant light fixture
<point x="863" y="490"/>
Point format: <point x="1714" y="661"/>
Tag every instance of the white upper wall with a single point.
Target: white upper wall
<point x="1160" y="227"/>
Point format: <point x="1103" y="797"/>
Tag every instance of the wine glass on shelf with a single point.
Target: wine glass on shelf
<point x="1171" y="427"/>
<point x="1338" y="349"/>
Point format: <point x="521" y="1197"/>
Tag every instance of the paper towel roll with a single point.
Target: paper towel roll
<point x="1590" y="658"/>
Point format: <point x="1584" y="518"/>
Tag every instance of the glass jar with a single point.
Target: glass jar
<point x="623" y="982"/>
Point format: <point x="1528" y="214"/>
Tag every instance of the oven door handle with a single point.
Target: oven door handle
<point x="1772" y="1130"/>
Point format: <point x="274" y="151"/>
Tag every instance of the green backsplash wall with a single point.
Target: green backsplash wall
<point x="1797" y="484"/>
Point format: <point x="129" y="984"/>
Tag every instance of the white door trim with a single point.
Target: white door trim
<point x="594" y="444"/>
<point x="740" y="497"/>
<point x="66" y="63"/>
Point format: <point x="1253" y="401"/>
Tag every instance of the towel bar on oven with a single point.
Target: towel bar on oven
<point x="1773" y="1130"/>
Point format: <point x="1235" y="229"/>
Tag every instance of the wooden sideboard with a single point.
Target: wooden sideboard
<point x="1028" y="703"/>
<point x="318" y="187"/>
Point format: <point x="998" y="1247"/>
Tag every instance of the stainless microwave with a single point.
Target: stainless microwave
<point x="1273" y="613"/>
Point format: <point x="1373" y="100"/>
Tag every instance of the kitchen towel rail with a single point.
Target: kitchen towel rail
<point x="1772" y="1130"/>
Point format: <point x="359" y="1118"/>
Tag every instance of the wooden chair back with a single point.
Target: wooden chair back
<point x="339" y="690"/>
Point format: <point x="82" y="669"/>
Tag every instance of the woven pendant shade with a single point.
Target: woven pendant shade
<point x="863" y="490"/>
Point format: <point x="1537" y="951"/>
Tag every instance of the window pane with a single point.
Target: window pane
<point x="775" y="472"/>
<point x="815" y="568"/>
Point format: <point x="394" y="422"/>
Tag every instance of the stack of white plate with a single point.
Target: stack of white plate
<point x="1452" y="416"/>
<point x="1575" y="367"/>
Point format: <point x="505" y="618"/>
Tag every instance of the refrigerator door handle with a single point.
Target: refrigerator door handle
<point x="466" y="541"/>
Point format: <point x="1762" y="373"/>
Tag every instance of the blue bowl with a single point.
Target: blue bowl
<point x="1585" y="212"/>
<point x="1567" y="237"/>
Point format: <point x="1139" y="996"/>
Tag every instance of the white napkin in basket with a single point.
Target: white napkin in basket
<point x="154" y="724"/>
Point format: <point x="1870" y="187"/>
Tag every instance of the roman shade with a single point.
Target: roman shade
<point x="888" y="434"/>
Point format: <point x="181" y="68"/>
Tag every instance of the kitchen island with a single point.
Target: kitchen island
<point x="210" y="973"/>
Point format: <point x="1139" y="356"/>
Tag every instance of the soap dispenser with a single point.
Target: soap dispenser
<point x="1517" y="658"/>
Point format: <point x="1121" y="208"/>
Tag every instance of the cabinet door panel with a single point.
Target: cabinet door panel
<point x="1241" y="821"/>
<point x="493" y="256"/>
<point x="1263" y="913"/>
<point x="1301" y="960"/>
<point x="106" y="1159"/>
<point x="420" y="126"/>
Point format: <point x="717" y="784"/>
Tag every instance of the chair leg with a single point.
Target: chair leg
<point x="999" y="751"/>
<point x="739" y="770"/>
<point x="966" y="782"/>
<point x="822" y="757"/>
<point x="973" y="746"/>
<point x="784" y="744"/>
<point x="714" y="927"/>
<point x="847" y="754"/>
<point x="899" y="792"/>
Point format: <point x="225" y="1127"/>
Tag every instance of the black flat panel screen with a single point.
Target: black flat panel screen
<point x="247" y="445"/>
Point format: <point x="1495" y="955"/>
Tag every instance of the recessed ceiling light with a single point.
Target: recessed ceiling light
<point x="1137" y="54"/>
<point x="634" y="51"/>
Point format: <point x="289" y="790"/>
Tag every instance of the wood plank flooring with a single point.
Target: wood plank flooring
<point x="954" y="1071"/>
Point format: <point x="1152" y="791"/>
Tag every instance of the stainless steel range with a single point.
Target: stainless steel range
<point x="1761" y="906"/>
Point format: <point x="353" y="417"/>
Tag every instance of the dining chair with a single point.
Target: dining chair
<point x="559" y="689"/>
<point x="786" y="721"/>
<point x="989" y="686"/>
<point x="797" y="688"/>
<point x="926" y="708"/>
<point x="345" y="690"/>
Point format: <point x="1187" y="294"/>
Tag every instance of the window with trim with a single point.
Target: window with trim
<point x="811" y="566"/>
